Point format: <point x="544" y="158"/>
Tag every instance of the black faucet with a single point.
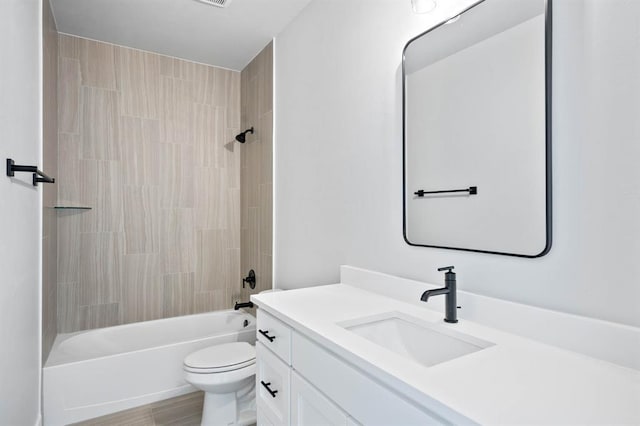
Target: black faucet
<point x="243" y="305"/>
<point x="449" y="290"/>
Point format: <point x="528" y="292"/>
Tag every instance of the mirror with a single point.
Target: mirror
<point x="477" y="131"/>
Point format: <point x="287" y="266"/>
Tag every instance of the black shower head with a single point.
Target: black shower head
<point x="241" y="137"/>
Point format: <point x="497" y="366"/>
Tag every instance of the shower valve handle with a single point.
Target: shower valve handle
<point x="250" y="279"/>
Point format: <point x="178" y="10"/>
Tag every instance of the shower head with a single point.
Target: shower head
<point x="241" y="137"/>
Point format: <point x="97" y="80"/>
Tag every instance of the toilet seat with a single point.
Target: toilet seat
<point x="221" y="358"/>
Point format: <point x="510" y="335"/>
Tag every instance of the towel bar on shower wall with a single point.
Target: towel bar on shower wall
<point x="38" y="176"/>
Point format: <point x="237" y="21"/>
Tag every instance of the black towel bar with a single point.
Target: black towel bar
<point x="38" y="176"/>
<point x="472" y="190"/>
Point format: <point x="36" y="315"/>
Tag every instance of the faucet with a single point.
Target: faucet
<point x="239" y="305"/>
<point x="449" y="290"/>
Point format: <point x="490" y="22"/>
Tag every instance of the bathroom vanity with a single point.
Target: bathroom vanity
<point x="362" y="352"/>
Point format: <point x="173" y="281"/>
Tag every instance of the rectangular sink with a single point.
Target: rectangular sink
<point x="421" y="341"/>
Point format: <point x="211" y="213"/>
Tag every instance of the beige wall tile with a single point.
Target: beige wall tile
<point x="69" y="46"/>
<point x="178" y="290"/>
<point x="228" y="151"/>
<point x="209" y="301"/>
<point x="69" y="95"/>
<point x="68" y="177"/>
<point x="252" y="172"/>
<point x="204" y="84"/>
<point x="98" y="64"/>
<point x="142" y="288"/>
<point x="176" y="110"/>
<point x="100" y="268"/>
<point x="141" y="219"/>
<point x="266" y="148"/>
<point x="68" y="307"/>
<point x="235" y="273"/>
<point x="208" y="129"/>
<point x="250" y="241"/>
<point x="139" y="139"/>
<point x="138" y="82"/>
<point x="101" y="189"/>
<point x="177" y="177"/>
<point x="212" y="266"/>
<point x="177" y="241"/>
<point x="211" y="198"/>
<point x="184" y="70"/>
<point x="266" y="86"/>
<point x="264" y="281"/>
<point x="251" y="108"/>
<point x="99" y="124"/>
<point x="266" y="218"/>
<point x="256" y="189"/>
<point x="233" y="215"/>
<point x="147" y="145"/>
<point x="227" y="94"/>
<point x="69" y="225"/>
<point x="166" y="65"/>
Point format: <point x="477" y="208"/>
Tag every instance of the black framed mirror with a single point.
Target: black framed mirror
<point x="477" y="131"/>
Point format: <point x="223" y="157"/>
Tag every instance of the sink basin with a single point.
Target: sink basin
<point x="421" y="341"/>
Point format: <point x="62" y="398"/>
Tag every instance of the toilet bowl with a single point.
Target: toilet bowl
<point x="226" y="373"/>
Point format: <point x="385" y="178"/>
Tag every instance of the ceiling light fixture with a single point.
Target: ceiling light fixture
<point x="423" y="6"/>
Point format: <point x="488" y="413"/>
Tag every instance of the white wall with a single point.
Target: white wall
<point x="20" y="211"/>
<point x="338" y="177"/>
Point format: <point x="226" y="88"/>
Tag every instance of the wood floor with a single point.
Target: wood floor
<point x="185" y="410"/>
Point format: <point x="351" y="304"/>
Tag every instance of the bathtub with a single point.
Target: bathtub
<point x="96" y="372"/>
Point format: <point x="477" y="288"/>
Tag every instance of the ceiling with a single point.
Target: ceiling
<point x="225" y="37"/>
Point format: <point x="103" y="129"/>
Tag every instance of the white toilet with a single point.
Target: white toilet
<point x="226" y="373"/>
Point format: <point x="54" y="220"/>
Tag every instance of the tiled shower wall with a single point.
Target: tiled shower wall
<point x="257" y="170"/>
<point x="49" y="166"/>
<point x="146" y="141"/>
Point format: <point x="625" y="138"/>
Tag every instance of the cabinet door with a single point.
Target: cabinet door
<point x="272" y="387"/>
<point x="310" y="408"/>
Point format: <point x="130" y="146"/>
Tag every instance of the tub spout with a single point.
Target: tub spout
<point x="239" y="305"/>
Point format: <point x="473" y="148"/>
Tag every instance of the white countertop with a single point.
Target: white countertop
<point x="516" y="381"/>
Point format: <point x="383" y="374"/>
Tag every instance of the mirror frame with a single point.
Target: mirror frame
<point x="548" y="131"/>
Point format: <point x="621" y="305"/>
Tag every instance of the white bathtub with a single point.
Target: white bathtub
<point x="97" y="372"/>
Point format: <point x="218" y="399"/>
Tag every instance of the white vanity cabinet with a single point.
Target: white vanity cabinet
<point x="273" y="383"/>
<point x="336" y="373"/>
<point x="299" y="383"/>
<point x="283" y="397"/>
<point x="309" y="407"/>
<point x="273" y="370"/>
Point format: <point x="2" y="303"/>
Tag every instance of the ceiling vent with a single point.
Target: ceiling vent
<point x="217" y="3"/>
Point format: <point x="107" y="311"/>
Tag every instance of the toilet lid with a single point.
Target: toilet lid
<point x="219" y="358"/>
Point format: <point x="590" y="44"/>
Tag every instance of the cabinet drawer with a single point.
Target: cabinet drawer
<point x="365" y="399"/>
<point x="273" y="379"/>
<point x="275" y="335"/>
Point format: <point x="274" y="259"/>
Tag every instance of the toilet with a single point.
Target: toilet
<point x="226" y="373"/>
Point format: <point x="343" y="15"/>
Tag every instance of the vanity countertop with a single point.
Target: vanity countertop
<point x="515" y="381"/>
